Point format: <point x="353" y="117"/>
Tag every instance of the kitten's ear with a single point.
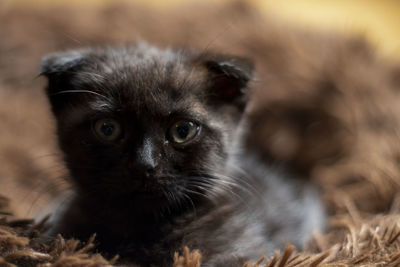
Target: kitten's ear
<point x="59" y="69"/>
<point x="58" y="63"/>
<point x="229" y="79"/>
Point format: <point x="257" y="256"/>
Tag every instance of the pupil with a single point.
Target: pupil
<point x="107" y="129"/>
<point x="183" y="130"/>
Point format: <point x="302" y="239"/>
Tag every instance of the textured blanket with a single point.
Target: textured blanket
<point x="324" y="104"/>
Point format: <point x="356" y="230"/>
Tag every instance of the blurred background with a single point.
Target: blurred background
<point x="378" y="19"/>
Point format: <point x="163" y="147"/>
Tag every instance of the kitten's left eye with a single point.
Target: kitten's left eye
<point x="107" y="129"/>
<point x="183" y="131"/>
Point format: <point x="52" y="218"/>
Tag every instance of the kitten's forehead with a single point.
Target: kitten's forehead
<point x="137" y="65"/>
<point x="145" y="79"/>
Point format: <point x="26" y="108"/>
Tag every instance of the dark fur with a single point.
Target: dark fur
<point x="146" y="197"/>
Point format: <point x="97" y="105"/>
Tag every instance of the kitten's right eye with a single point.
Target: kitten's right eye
<point x="107" y="129"/>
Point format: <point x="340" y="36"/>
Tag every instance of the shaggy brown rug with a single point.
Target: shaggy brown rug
<point x="326" y="105"/>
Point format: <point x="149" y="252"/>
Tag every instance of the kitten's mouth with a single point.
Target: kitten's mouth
<point x="148" y="191"/>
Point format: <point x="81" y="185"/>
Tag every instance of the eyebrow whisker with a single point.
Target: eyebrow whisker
<point x="79" y="91"/>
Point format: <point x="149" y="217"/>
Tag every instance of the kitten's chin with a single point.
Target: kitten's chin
<point x="147" y="196"/>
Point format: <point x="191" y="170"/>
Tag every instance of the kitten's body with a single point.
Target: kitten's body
<point x="146" y="195"/>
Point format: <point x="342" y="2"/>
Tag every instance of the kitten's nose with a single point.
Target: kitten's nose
<point x="147" y="157"/>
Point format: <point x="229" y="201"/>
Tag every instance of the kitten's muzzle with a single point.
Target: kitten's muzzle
<point x="149" y="189"/>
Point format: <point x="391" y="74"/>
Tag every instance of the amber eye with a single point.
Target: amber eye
<point x="183" y="131"/>
<point x="107" y="129"/>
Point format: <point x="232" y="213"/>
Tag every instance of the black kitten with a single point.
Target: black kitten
<point x="152" y="141"/>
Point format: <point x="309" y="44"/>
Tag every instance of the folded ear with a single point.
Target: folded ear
<point x="58" y="63"/>
<point x="229" y="77"/>
<point x="60" y="68"/>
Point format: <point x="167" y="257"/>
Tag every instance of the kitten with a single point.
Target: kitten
<point x="152" y="140"/>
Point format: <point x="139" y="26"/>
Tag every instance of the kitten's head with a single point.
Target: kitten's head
<point x="147" y="126"/>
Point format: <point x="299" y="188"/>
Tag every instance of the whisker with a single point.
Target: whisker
<point x="79" y="91"/>
<point x="191" y="202"/>
<point x="240" y="184"/>
<point x="224" y="182"/>
<point x="201" y="194"/>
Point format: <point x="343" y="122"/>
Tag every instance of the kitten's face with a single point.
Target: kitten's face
<point x="152" y="127"/>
